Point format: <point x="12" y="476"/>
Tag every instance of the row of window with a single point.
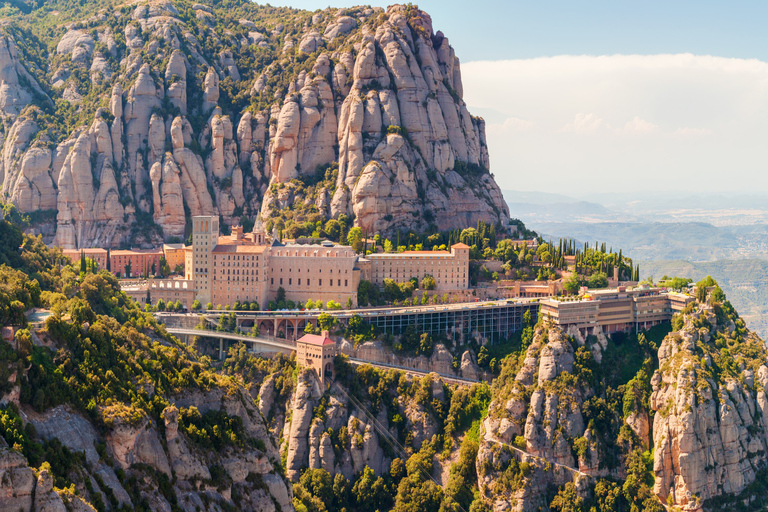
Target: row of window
<point x="319" y="282"/>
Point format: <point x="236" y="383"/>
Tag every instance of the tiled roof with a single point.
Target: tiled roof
<point x="133" y="252"/>
<point x="92" y="250"/>
<point x="233" y="248"/>
<point x="314" y="339"/>
<point x="408" y="253"/>
<point x="460" y="246"/>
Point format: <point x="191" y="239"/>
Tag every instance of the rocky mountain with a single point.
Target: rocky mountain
<point x="710" y="428"/>
<point x="101" y="409"/>
<point x="120" y="121"/>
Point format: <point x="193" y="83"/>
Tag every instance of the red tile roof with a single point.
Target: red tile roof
<point x="460" y="246"/>
<point x="314" y="339"/>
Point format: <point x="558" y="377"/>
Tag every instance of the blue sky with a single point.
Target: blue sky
<point x="608" y="96"/>
<point x="494" y="30"/>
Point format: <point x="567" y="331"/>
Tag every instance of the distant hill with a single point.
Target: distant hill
<point x="745" y="283"/>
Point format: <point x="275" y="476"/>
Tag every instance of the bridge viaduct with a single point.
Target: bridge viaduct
<point x="488" y="321"/>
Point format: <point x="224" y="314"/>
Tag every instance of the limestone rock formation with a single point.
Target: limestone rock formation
<point x="540" y="412"/>
<point x="240" y="125"/>
<point x="710" y="432"/>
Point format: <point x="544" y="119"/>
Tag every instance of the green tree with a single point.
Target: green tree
<point x="196" y="305"/>
<point x="355" y="239"/>
<point x="326" y="322"/>
<point x="572" y="283"/>
<point x="332" y="229"/>
<point x="426" y="345"/>
<point x="567" y="500"/>
<point x="370" y="492"/>
<point x="428" y="283"/>
<point x="165" y="269"/>
<point x="598" y="280"/>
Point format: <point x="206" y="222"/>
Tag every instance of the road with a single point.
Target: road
<point x="451" y="379"/>
<point x="364" y="312"/>
<point x="289" y="345"/>
<point x="261" y="340"/>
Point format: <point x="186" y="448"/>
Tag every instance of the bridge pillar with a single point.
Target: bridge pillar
<point x="221" y="349"/>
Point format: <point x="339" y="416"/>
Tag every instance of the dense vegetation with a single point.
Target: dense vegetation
<point x="110" y="361"/>
<point x="408" y="486"/>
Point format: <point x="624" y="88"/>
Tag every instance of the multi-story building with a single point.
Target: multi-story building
<point x="188" y="262"/>
<point x="239" y="269"/>
<point x="318" y="272"/>
<point x="97" y="255"/>
<point x="174" y="255"/>
<point x="135" y="263"/>
<point x="614" y="310"/>
<point x="250" y="267"/>
<point x="205" y="236"/>
<point x="450" y="269"/>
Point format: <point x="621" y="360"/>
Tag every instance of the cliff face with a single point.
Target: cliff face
<point x="144" y="115"/>
<point x="327" y="430"/>
<point x="710" y="428"/>
<point x="538" y="418"/>
<point x="246" y="477"/>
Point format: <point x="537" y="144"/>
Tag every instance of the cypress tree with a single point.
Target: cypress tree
<point x="83" y="267"/>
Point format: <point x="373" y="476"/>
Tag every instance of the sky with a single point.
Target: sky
<point x="604" y="96"/>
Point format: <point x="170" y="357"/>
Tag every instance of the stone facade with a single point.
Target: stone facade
<point x="141" y="262"/>
<point x="615" y="310"/>
<point x="317" y="352"/>
<point x="174" y="255"/>
<point x="450" y="269"/>
<point x="251" y="267"/>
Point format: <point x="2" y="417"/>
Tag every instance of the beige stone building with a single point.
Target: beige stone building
<point x="251" y="267"/>
<point x="169" y="290"/>
<point x="614" y="310"/>
<point x="174" y="255"/>
<point x="317" y="352"/>
<point x="205" y="236"/>
<point x="239" y="270"/>
<point x="450" y="269"/>
<point x="318" y="272"/>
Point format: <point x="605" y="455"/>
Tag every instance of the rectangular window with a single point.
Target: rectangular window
<point x="319" y="282"/>
<point x="281" y="281"/>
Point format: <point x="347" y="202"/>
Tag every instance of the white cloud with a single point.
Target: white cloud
<point x="601" y="123"/>
<point x="515" y="124"/>
<point x="584" y="124"/>
<point x="639" y="126"/>
<point x="691" y="132"/>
